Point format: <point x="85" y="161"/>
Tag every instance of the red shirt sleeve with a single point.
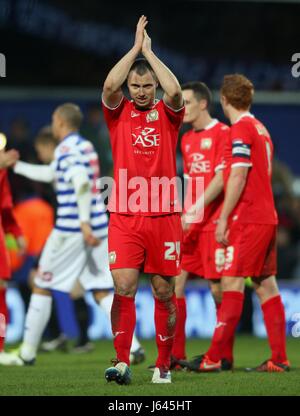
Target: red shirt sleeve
<point x="175" y="116"/>
<point x="112" y="114"/>
<point x="241" y="142"/>
<point x="220" y="148"/>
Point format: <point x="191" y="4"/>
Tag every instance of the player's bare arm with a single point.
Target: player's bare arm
<point x="39" y="173"/>
<point x="212" y="191"/>
<point x="168" y="81"/>
<point x="236" y="183"/>
<point x="112" y="92"/>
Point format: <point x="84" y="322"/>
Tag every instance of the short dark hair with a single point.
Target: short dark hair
<point x="45" y="136"/>
<point x="201" y="91"/>
<point x="141" y="66"/>
<point x="71" y="113"/>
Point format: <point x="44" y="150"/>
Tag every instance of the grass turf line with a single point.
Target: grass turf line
<point x="61" y="374"/>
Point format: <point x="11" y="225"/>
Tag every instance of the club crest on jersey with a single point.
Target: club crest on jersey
<point x="152" y="116"/>
<point x="206" y="143"/>
<point x="112" y="257"/>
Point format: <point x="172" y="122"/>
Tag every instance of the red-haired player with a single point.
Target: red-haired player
<point x="247" y="230"/>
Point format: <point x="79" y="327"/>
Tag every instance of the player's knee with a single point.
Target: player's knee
<point x="266" y="288"/>
<point x="163" y="293"/>
<point x="123" y="289"/>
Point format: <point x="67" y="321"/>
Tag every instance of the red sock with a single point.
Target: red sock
<point x="165" y="314"/>
<point x="123" y="320"/>
<point x="227" y="352"/>
<point x="3" y="317"/>
<point x="178" y="350"/>
<point x="274" y="317"/>
<point x="228" y="319"/>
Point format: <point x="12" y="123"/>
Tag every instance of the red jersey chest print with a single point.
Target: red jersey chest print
<point x="202" y="153"/>
<point x="143" y="148"/>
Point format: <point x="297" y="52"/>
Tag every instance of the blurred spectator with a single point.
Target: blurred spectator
<point x="94" y="129"/>
<point x="19" y="138"/>
<point x="287" y="253"/>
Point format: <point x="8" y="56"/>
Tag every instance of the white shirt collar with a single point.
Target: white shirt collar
<point x="211" y="124"/>
<point x="246" y="114"/>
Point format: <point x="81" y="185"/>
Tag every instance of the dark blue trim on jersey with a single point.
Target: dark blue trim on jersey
<point x="77" y="229"/>
<point x="241" y="155"/>
<point x="74" y="204"/>
<point x="76" y="217"/>
<point x="68" y="192"/>
<point x="85" y="164"/>
<point x="99" y="227"/>
<point x="241" y="144"/>
<point x="61" y="180"/>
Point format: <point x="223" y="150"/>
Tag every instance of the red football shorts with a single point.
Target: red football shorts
<point x="5" y="272"/>
<point x="251" y="251"/>
<point x="201" y="254"/>
<point x="149" y="244"/>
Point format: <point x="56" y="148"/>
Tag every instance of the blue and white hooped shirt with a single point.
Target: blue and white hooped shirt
<point x="72" y="155"/>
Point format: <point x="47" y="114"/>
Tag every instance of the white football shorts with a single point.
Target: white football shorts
<point x="66" y="258"/>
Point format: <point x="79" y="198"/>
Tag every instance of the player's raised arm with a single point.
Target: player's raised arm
<point x="112" y="93"/>
<point x="167" y="80"/>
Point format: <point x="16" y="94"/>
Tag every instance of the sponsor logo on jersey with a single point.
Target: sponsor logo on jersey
<point x="146" y="138"/>
<point x="112" y="257"/>
<point x="206" y="143"/>
<point x="198" y="165"/>
<point x="152" y="116"/>
<point x="133" y="114"/>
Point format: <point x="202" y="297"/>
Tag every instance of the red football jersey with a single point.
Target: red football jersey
<point x="202" y="153"/>
<point x="250" y="145"/>
<point x="8" y="221"/>
<point x="144" y="153"/>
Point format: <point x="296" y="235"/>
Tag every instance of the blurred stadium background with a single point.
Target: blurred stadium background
<point x="60" y="50"/>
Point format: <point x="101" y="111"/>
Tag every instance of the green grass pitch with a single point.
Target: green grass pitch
<point x="62" y="374"/>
